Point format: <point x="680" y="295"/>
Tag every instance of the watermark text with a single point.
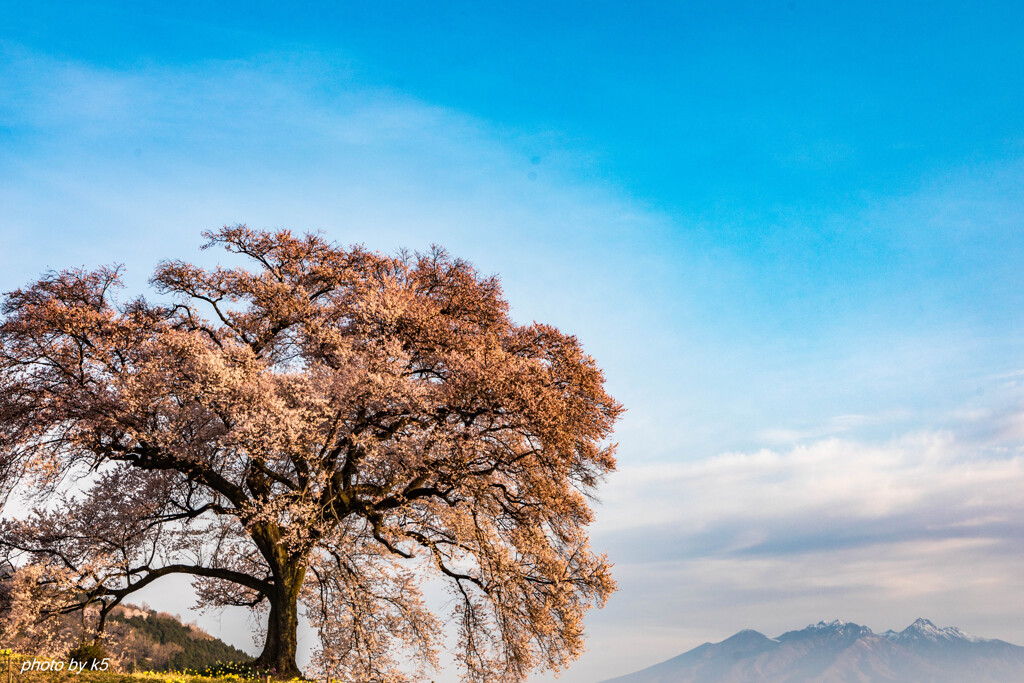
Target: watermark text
<point x="72" y="666"/>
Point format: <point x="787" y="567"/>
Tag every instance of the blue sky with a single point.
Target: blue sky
<point x="790" y="232"/>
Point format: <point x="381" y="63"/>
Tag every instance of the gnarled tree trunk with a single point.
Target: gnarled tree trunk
<point x="288" y="571"/>
<point x="279" y="650"/>
<point x="282" y="640"/>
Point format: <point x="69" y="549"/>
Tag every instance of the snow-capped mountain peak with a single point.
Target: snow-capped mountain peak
<point x="923" y="629"/>
<point x="836" y="630"/>
<point x="843" y="651"/>
<point x="836" y="626"/>
<point x="833" y="625"/>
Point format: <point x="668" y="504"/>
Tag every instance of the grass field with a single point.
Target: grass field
<point x="11" y="672"/>
<point x="111" y="677"/>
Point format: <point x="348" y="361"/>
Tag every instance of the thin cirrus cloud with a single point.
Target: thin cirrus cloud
<point x="131" y="165"/>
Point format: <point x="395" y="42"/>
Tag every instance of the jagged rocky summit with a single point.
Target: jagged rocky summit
<point x="841" y="652"/>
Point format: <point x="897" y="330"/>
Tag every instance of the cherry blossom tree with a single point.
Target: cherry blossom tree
<point x="329" y="429"/>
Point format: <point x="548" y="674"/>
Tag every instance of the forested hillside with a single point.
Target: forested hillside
<point x="144" y="639"/>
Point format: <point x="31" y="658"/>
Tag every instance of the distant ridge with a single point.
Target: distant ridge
<point x="841" y="652"/>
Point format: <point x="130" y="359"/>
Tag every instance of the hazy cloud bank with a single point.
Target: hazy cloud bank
<point x="929" y="523"/>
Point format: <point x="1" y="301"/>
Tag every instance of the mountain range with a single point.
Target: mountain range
<point x="843" y="652"/>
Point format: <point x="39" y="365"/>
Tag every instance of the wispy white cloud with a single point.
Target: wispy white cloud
<point x="834" y="425"/>
<point x="831" y="491"/>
